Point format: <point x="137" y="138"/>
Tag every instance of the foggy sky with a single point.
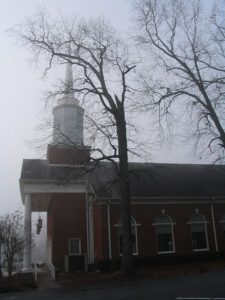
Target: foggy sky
<point x="21" y="88"/>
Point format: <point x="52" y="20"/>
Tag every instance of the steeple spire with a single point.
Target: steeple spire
<point x="69" y="80"/>
<point x="69" y="77"/>
<point x="68" y="115"/>
<point x="68" y="138"/>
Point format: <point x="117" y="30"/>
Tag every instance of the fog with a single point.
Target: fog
<point x="22" y="86"/>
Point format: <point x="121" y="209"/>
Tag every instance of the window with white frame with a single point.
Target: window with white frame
<point x="199" y="232"/>
<point x="74" y="246"/>
<point x="164" y="233"/>
<point x="133" y="236"/>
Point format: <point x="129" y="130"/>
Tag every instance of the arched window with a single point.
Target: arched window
<point x="199" y="232"/>
<point x="133" y="236"/>
<point x="164" y="233"/>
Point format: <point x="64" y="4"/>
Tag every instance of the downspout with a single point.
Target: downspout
<point x="109" y="229"/>
<point x="88" y="226"/>
<point x="214" y="226"/>
<point x="91" y="229"/>
<point x="91" y="258"/>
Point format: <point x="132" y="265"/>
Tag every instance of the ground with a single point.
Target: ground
<point x="148" y="272"/>
<point x="181" y="282"/>
<point x="198" y="286"/>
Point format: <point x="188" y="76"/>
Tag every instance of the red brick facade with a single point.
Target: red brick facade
<point x="145" y="216"/>
<point x="71" y="155"/>
<point x="67" y="219"/>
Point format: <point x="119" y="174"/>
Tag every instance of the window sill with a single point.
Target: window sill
<point x="134" y="254"/>
<point x="200" y="250"/>
<point x="166" y="252"/>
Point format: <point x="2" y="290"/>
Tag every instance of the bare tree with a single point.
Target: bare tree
<point x="185" y="45"/>
<point x="102" y="72"/>
<point x="11" y="238"/>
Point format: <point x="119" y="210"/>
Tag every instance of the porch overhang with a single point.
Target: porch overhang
<point x="41" y="191"/>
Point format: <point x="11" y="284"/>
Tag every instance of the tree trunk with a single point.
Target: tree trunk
<point x="127" y="253"/>
<point x="10" y="263"/>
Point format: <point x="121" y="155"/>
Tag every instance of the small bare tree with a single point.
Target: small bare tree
<point x="11" y="238"/>
<point x="102" y="72"/>
<point x="185" y="45"/>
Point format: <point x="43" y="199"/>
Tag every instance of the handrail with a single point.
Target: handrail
<point x="52" y="269"/>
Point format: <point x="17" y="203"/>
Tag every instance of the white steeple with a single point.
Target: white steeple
<point x="68" y="116"/>
<point x="69" y="79"/>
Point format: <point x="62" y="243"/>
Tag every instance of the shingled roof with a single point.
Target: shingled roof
<point x="147" y="179"/>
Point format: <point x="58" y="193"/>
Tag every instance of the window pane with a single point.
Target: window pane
<point x="165" y="243"/>
<point x="164" y="233"/>
<point x="198" y="236"/>
<point x="163" y="219"/>
<point x="74" y="245"/>
<point x="163" y="229"/>
<point x="199" y="240"/>
<point x="198" y="231"/>
<point x="200" y="227"/>
<point x="197" y="218"/>
<point x="134" y="243"/>
<point x="120" y="244"/>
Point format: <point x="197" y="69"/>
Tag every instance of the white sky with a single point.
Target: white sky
<point x="21" y="88"/>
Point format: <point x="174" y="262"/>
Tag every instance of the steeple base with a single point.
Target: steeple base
<point x="79" y="155"/>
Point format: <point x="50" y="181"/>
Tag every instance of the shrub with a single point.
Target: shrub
<point x="104" y="265"/>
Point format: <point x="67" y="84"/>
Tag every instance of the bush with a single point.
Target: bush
<point x="17" y="282"/>
<point x="159" y="260"/>
<point x="173" y="259"/>
<point x="109" y="265"/>
<point x="116" y="264"/>
<point x="104" y="265"/>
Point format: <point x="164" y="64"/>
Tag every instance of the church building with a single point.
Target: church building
<point x="177" y="209"/>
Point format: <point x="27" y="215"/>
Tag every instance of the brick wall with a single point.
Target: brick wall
<point x="145" y="216"/>
<point x="67" y="219"/>
<point x="100" y="232"/>
<point x="68" y="216"/>
<point x="71" y="155"/>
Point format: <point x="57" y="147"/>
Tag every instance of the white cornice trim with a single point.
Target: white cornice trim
<point x="52" y="182"/>
<point x="32" y="187"/>
<point x="150" y="198"/>
<point x="54" y="188"/>
<point x="166" y="201"/>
